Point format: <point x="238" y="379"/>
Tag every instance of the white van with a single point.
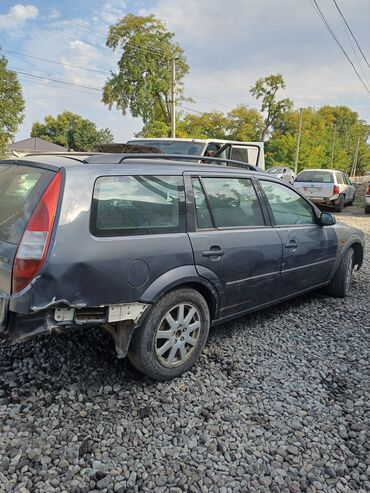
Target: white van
<point x="247" y="152"/>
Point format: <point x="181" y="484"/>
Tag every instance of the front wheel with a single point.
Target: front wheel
<point x="341" y="283"/>
<point x="172" y="335"/>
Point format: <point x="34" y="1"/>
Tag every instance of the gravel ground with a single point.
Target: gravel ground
<point x="279" y="402"/>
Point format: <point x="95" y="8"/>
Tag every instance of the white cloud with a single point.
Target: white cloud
<point x="18" y="15"/>
<point x="83" y="52"/>
<point x="229" y="46"/>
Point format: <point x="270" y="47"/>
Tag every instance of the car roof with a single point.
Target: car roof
<point x="139" y="164"/>
<point x="197" y="141"/>
<point x="318" y="169"/>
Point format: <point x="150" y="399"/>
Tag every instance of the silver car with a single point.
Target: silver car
<point x="283" y="173"/>
<point x="326" y="187"/>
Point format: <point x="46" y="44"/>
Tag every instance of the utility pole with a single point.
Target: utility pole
<point x="332" y="147"/>
<point x="355" y="158"/>
<point x="298" y="142"/>
<point x="173" y="99"/>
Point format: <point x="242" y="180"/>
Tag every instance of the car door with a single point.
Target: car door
<point x="234" y="246"/>
<point x="350" y="190"/>
<point x="309" y="250"/>
<point x="246" y="153"/>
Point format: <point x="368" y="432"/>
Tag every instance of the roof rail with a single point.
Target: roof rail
<point x="68" y="155"/>
<point x="185" y="157"/>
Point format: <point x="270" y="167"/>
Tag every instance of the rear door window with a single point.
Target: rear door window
<point x="345" y="178"/>
<point x="339" y="177"/>
<point x="21" y="188"/>
<point x="203" y="216"/>
<point x="138" y="205"/>
<point x="233" y="202"/>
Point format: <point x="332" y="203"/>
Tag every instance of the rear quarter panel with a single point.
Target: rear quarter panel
<point x="86" y="270"/>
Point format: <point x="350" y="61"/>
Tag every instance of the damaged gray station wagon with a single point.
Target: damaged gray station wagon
<point x="156" y="249"/>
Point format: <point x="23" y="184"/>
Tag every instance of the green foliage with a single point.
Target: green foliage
<point x="11" y="104"/>
<point x="241" y="123"/>
<point x="266" y="89"/>
<point x="317" y="139"/>
<point x="143" y="80"/>
<point x="71" y="131"/>
<point x="154" y="128"/>
<point x="245" y="124"/>
<point x="209" y="125"/>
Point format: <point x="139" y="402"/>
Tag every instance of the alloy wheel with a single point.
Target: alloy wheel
<point x="178" y="334"/>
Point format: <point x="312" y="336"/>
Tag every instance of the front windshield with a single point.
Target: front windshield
<point x="274" y="171"/>
<point x="173" y="147"/>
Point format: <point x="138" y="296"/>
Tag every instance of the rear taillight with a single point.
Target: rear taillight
<point x="33" y="247"/>
<point x="336" y="190"/>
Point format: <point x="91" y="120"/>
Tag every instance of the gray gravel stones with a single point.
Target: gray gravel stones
<point x="279" y="402"/>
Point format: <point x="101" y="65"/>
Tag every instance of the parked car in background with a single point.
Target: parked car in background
<point x="326" y="187"/>
<point x="155" y="250"/>
<point x="245" y="152"/>
<point x="283" y="173"/>
<point x="367" y="199"/>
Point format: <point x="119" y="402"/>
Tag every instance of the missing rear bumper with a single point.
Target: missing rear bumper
<point x="98" y="315"/>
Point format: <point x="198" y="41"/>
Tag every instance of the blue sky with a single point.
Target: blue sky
<point x="229" y="44"/>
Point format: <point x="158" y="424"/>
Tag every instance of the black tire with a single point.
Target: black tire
<point x="367" y="209"/>
<point x="143" y="351"/>
<point x="341" y="283"/>
<point x="340" y="206"/>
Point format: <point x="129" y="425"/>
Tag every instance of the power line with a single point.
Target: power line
<point x="191" y="110"/>
<point x="319" y="11"/>
<point x="55" y="85"/>
<point x="59" y="81"/>
<point x="350" y="30"/>
<point x="53" y="61"/>
<point x="354" y="51"/>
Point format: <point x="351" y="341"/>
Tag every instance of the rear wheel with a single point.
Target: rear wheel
<point x="353" y="199"/>
<point x="172" y="335"/>
<point x="340" y="206"/>
<point x="367" y="209"/>
<point x="341" y="283"/>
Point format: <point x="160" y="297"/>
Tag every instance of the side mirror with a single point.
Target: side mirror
<point x="326" y="219"/>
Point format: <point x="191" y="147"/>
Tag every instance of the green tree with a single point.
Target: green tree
<point x="317" y="139"/>
<point x="142" y="83"/>
<point x="72" y="131"/>
<point x="241" y="123"/>
<point x="208" y="125"/>
<point x="11" y="104"/>
<point x="266" y="89"/>
<point x="244" y="124"/>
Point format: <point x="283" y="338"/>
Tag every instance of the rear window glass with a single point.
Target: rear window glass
<point x="138" y="205"/>
<point x="172" y="146"/>
<point x="315" y="176"/>
<point x="21" y="188"/>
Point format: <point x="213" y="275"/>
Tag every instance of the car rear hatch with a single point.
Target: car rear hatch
<point x="315" y="184"/>
<point x="21" y="187"/>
